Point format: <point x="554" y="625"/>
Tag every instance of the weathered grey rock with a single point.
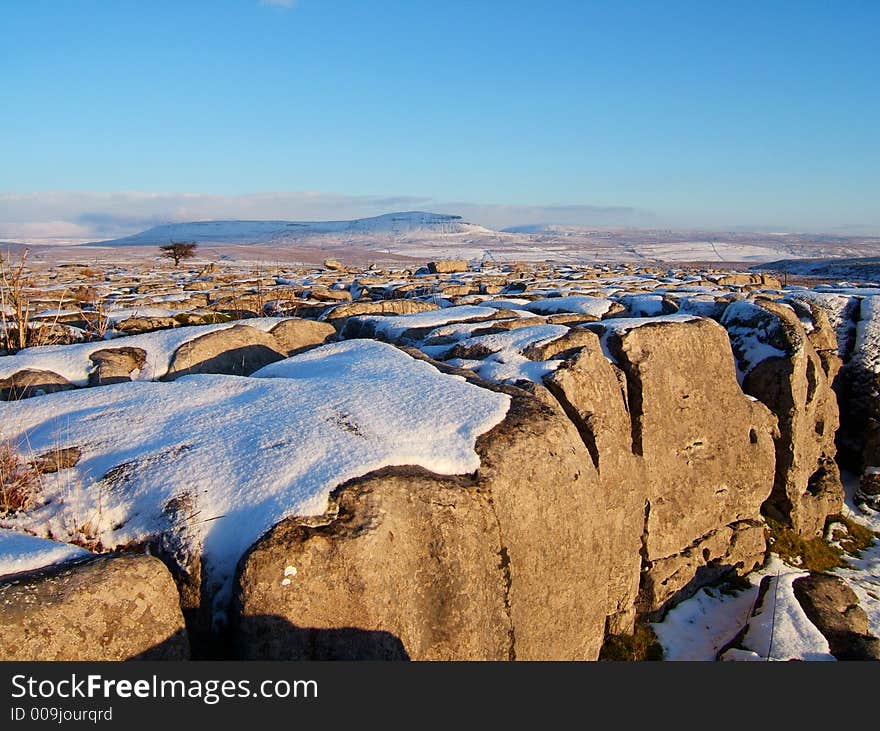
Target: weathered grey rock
<point x="358" y="327"/>
<point x="834" y="608"/>
<point x="502" y="564"/>
<point x="325" y="294"/>
<point x="238" y="350"/>
<point x="381" y="307"/>
<point x="30" y="382"/>
<point x="334" y="265"/>
<point x="296" y="335"/>
<point x="202" y="285"/>
<point x="685" y="460"/>
<point x="869" y="488"/>
<point x="739" y="547"/>
<point x="137" y="325"/>
<point x="447" y="266"/>
<point x="822" y="335"/>
<point x="708" y="453"/>
<point x="570" y="318"/>
<point x="858" y="390"/>
<point x="740" y="280"/>
<point x="115" y="365"/>
<point x="105" y="608"/>
<point x="409" y="568"/>
<point x="453" y="290"/>
<point x="634" y="306"/>
<point x="573" y="340"/>
<point x="176" y="543"/>
<point x="56" y="332"/>
<point x="200" y="318"/>
<point x="592" y="393"/>
<point x="62" y="458"/>
<point x="797" y="388"/>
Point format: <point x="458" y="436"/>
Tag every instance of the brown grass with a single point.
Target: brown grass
<point x="817" y="554"/>
<point x="19" y="481"/>
<point x="14" y="324"/>
<point x="812" y="554"/>
<point x="17" y="330"/>
<point x="641" y="645"/>
<point x="855" y="538"/>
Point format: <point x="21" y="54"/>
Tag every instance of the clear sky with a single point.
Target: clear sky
<point x="724" y="114"/>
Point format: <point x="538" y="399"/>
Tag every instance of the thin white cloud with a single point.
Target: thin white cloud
<point x="73" y="217"/>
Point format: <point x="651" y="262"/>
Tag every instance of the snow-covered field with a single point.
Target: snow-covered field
<point x="218" y="460"/>
<point x="72" y="361"/>
<point x="243" y="453"/>
<point x="420" y="235"/>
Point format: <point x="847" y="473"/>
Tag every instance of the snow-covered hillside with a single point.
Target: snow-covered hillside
<point x="411" y="223"/>
<point x="551" y="229"/>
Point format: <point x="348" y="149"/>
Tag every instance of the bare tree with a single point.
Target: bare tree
<point x="179" y="250"/>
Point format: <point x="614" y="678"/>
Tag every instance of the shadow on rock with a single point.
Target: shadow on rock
<point x="175" y="647"/>
<point x="268" y="637"/>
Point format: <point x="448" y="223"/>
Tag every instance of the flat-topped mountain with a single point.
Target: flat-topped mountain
<point x="410" y="224"/>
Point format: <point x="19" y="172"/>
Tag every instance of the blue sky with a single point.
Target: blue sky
<point x="738" y="114"/>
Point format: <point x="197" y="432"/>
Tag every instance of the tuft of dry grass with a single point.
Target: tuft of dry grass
<point x="817" y="554"/>
<point x="17" y="328"/>
<point x="86" y="535"/>
<point x="812" y="554"/>
<point x="19" y="481"/>
<point x="641" y="645"/>
<point x="851" y="536"/>
<point x="14" y="312"/>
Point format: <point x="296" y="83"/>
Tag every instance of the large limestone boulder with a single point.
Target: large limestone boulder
<point x="381" y="307"/>
<point x="795" y="382"/>
<point x="238" y="351"/>
<point x="858" y="389"/>
<point x="106" y="608"/>
<point x="334" y="265"/>
<point x="834" y="608"/>
<point x="137" y="325"/>
<point x="410" y="329"/>
<point x="326" y="294"/>
<point x="295" y="335"/>
<point x="115" y="365"/>
<point x="532" y="340"/>
<point x="592" y="391"/>
<point x="740" y="280"/>
<point x="31" y="382"/>
<point x="409" y="567"/>
<point x="568" y="344"/>
<point x="707" y="452"/>
<point x="507" y="563"/>
<point x="447" y="266"/>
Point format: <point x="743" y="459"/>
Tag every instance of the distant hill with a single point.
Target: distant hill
<point x="856" y="269"/>
<point x="551" y="229"/>
<point x="411" y="224"/>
